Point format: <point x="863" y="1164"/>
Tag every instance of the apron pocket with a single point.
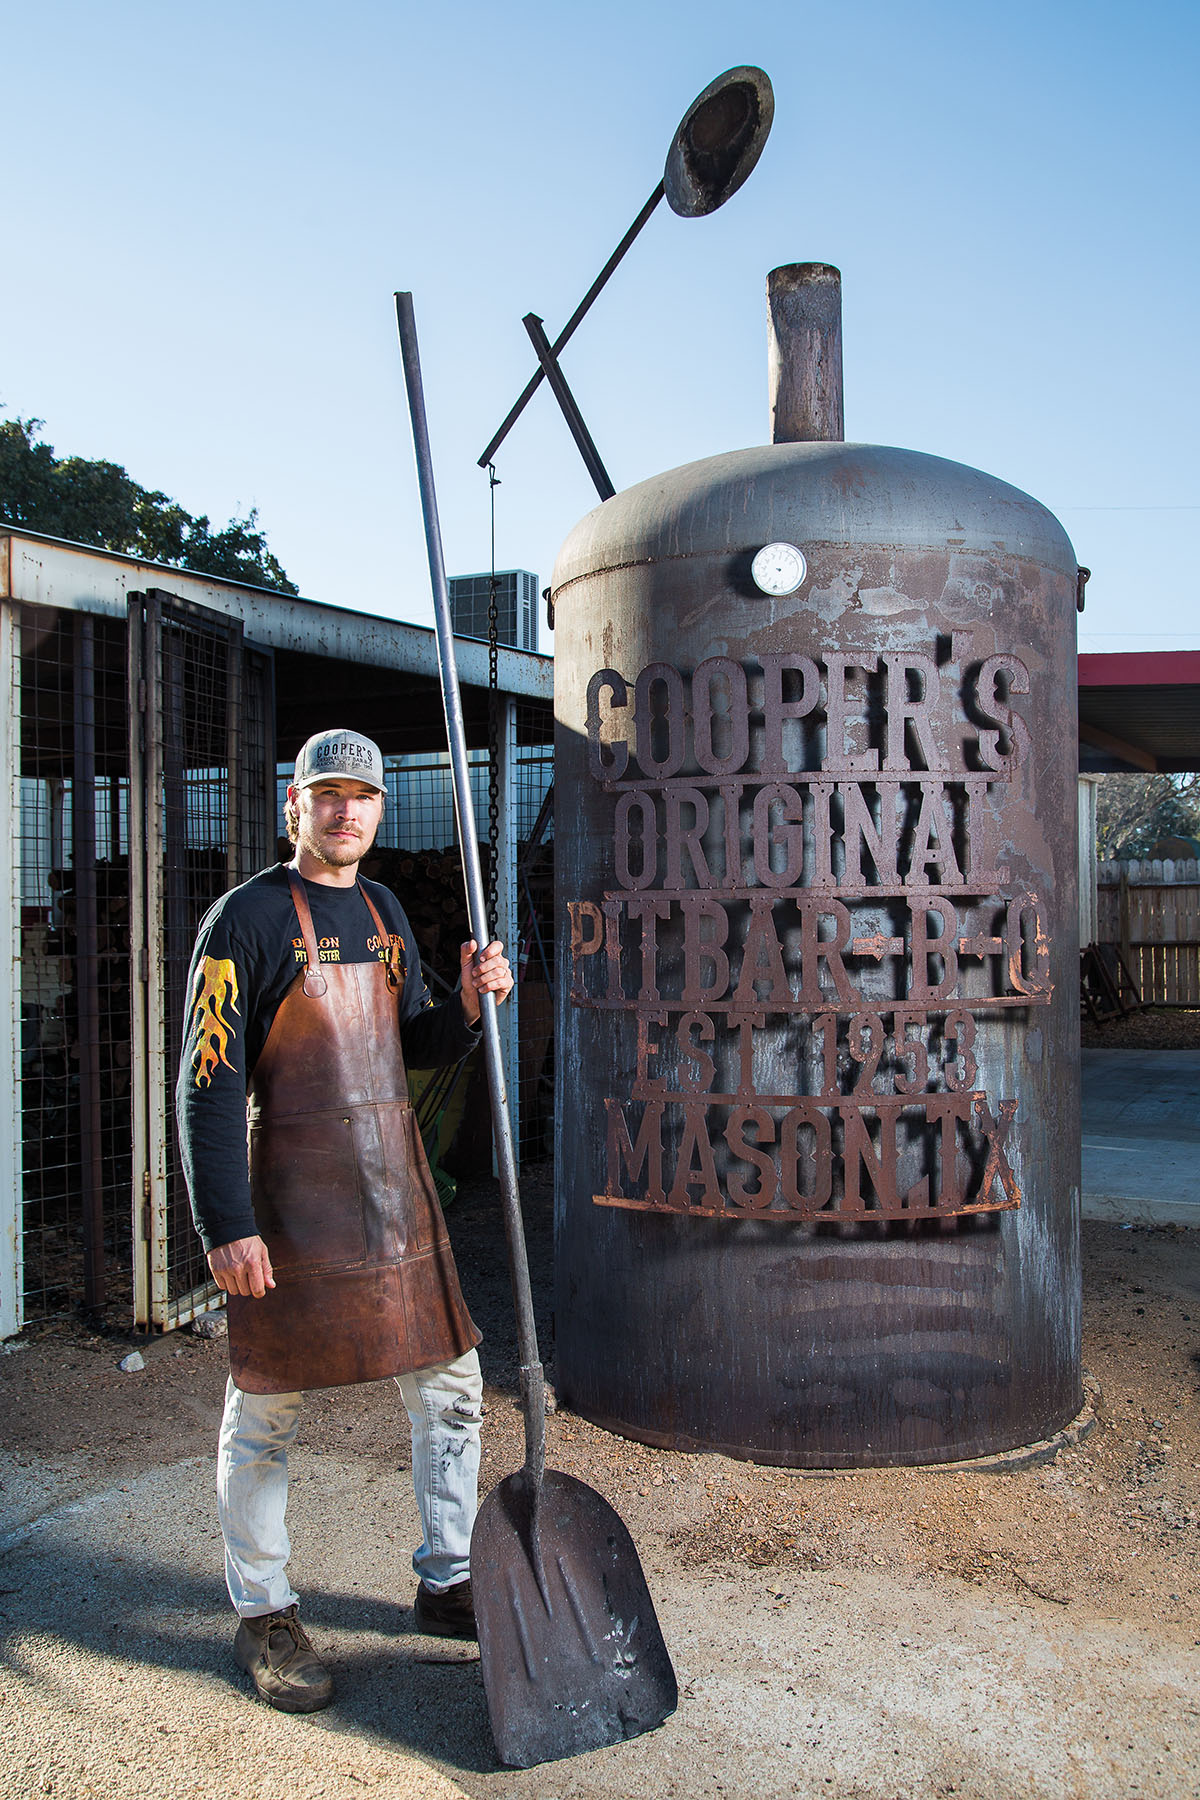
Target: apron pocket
<point x="304" y="1186"/>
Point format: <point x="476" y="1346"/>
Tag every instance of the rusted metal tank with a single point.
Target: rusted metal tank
<point x="818" y="1130"/>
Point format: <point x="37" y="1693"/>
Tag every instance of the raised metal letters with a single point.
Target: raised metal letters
<point x="810" y="924"/>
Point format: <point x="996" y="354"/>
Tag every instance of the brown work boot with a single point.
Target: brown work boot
<point x="275" y="1651"/>
<point x="450" y="1613"/>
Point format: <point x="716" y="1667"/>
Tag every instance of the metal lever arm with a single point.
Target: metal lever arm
<point x="568" y="330"/>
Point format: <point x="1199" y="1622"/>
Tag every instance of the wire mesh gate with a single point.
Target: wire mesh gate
<point x="201" y="819"/>
<point x="69" y="704"/>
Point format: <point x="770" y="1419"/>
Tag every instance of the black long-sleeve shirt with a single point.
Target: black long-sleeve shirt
<point x="248" y="953"/>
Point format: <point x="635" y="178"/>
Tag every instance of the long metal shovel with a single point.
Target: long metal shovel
<point x="572" y="1654"/>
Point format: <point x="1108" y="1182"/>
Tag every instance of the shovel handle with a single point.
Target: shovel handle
<point x="533" y="1388"/>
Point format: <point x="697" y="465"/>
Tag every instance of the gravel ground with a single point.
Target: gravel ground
<point x="1152" y="1028"/>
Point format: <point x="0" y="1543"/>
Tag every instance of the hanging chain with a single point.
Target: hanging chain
<point x="493" y="721"/>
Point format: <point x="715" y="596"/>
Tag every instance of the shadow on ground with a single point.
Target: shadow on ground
<point x="392" y="1680"/>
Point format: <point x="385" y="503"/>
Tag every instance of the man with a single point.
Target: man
<point x="306" y="1003"/>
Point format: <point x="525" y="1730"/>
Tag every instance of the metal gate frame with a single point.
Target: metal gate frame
<point x="12" y="1219"/>
<point x="158" y="824"/>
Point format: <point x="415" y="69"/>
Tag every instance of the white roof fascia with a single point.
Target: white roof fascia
<point x="44" y="571"/>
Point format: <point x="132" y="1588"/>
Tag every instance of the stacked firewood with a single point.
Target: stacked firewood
<point x="112" y="976"/>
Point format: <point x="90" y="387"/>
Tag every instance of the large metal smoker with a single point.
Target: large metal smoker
<point x="815" y="763"/>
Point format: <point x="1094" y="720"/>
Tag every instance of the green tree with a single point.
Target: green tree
<point x="99" y="503"/>
<point x="1133" y="812"/>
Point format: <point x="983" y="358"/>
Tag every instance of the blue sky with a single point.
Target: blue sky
<point x="208" y="210"/>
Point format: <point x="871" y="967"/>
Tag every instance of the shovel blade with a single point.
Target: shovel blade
<point x="569" y="1643"/>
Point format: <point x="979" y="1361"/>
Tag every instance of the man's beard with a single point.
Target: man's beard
<point x="333" y="855"/>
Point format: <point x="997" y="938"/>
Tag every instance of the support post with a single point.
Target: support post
<point x="1089" y="875"/>
<point x="508" y="1016"/>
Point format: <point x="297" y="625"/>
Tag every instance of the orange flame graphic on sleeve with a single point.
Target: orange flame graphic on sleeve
<point x="215" y="985"/>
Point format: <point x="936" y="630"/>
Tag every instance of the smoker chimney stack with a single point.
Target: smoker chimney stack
<point x="804" y="354"/>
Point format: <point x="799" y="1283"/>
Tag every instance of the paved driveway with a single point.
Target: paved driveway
<point x="1141" y="1136"/>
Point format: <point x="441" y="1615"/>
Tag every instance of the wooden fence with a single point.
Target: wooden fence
<point x="1151" y="912"/>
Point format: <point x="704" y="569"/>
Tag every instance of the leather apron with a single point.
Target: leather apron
<point x="366" y="1285"/>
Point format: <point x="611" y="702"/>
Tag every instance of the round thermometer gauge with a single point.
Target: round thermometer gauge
<point x="779" y="569"/>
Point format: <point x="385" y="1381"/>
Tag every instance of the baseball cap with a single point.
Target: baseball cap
<point x="340" y="756"/>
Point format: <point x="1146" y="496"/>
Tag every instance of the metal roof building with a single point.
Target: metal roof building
<point x="1140" y="710"/>
<point x="150" y="717"/>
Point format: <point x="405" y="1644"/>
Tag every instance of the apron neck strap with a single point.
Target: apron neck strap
<point x="314" y="982"/>
<point x="385" y="942"/>
<point x="383" y="936"/>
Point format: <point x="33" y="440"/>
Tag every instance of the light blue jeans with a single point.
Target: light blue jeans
<point x="445" y="1406"/>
